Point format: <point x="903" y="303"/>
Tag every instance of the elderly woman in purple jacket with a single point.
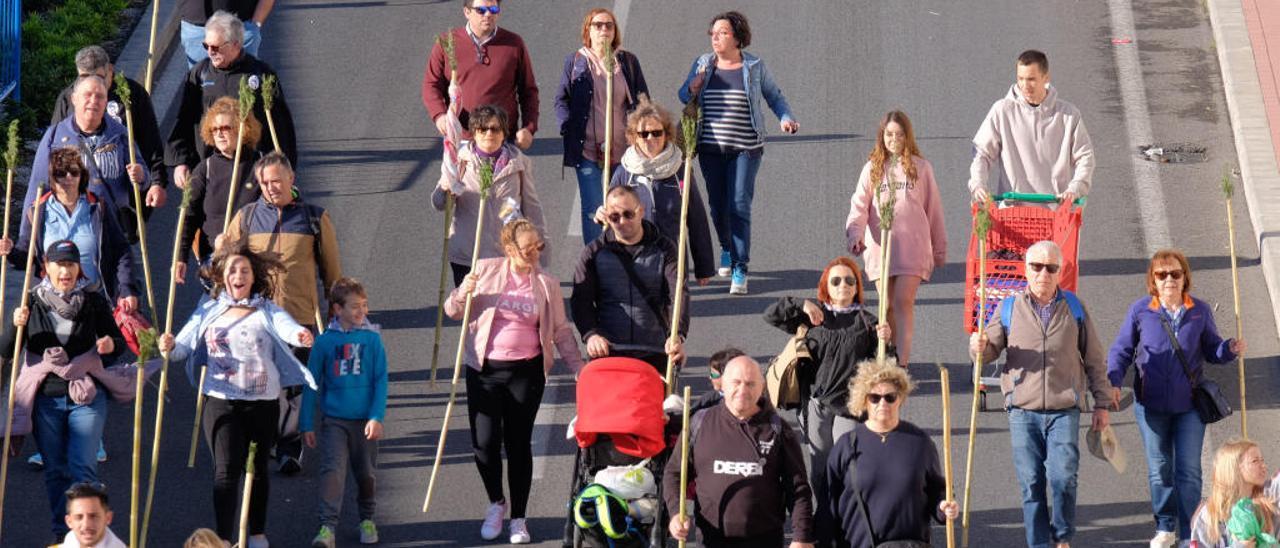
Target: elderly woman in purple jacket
<point x="1172" y="431"/>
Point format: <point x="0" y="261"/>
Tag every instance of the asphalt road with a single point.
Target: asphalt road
<point x="352" y="71"/>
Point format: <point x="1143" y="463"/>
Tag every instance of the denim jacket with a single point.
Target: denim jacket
<point x="758" y="81"/>
<point x="189" y="345"/>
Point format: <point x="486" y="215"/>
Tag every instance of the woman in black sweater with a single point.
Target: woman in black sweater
<point x="887" y="462"/>
<point x="841" y="334"/>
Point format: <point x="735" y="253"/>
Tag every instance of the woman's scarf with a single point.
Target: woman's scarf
<point x="500" y="159"/>
<point x="842" y="309"/>
<point x="252" y="301"/>
<point x="64" y="304"/>
<point x="662" y="166"/>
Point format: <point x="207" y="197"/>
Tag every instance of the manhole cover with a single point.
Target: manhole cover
<point x="1174" y="153"/>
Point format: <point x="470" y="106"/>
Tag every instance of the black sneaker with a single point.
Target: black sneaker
<point x="289" y="466"/>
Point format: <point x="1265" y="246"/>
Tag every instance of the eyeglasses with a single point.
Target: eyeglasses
<point x="602" y="25"/>
<point x="1052" y="268"/>
<point x="890" y="398"/>
<point x="70" y="172"/>
<point x="482" y="10"/>
<point x="618" y="216"/>
<point x="221" y="129"/>
<point x="720" y="33"/>
<point x="847" y="280"/>
<point x="214" y="48"/>
<point x="1162" y="274"/>
<point x="651" y="134"/>
<point x="487" y="129"/>
<point x="536" y="247"/>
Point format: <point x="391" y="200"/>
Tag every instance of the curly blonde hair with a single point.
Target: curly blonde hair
<point x="226" y="106"/>
<point x="871" y="373"/>
<point x="203" y="538"/>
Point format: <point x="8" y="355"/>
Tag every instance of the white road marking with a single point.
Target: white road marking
<point x="575" y="216"/>
<point x="1133" y="92"/>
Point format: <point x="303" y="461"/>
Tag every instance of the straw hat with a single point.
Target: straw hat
<point x="1105" y="446"/>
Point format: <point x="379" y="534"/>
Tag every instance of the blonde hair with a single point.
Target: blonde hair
<point x="203" y="538"/>
<point x="871" y="373"/>
<point x="1228" y="486"/>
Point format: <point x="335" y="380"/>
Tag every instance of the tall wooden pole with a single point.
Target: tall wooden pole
<point x="981" y="225"/>
<point x="1228" y="189"/>
<point x="945" y="382"/>
<point x="689" y="129"/>
<point x="684" y="461"/>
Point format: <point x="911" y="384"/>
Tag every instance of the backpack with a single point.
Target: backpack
<point x="1073" y="304"/>
<point x="782" y="378"/>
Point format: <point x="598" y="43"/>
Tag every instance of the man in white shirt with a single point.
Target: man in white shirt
<point x="89" y="517"/>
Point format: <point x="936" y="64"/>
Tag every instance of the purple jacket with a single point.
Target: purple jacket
<point x="1161" y="385"/>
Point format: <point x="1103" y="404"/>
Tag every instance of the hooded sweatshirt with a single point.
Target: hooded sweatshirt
<point x="919" y="233"/>
<point x="1042" y="149"/>
<point x="350" y="369"/>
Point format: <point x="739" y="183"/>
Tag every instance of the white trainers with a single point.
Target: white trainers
<point x="492" y="526"/>
<point x="520" y="532"/>
<point x="1164" y="539"/>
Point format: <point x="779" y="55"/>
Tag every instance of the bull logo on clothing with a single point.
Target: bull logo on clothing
<point x="348" y="360"/>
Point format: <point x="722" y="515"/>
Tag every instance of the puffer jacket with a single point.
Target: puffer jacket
<point x="661" y="201"/>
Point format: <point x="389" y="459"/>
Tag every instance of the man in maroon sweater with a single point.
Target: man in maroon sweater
<point x="493" y="68"/>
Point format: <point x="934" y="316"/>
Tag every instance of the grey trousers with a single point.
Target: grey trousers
<point x="823" y="426"/>
<point x="342" y="446"/>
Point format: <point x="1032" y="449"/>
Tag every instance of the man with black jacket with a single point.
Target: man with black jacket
<point x="748" y="467"/>
<point x="217" y="76"/>
<point x="624" y="287"/>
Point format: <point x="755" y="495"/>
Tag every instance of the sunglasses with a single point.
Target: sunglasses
<point x="835" y="281"/>
<point x="715" y="374"/>
<point x="212" y="48"/>
<point x="602" y="25"/>
<point x="651" y="134"/>
<point x="617" y="216"/>
<point x="536" y="247"/>
<point x="72" y="172"/>
<point x="487" y="129"/>
<point x="890" y="398"/>
<point x="221" y="129"/>
<point x="1052" y="268"/>
<point x="1162" y="274"/>
<point x="482" y="10"/>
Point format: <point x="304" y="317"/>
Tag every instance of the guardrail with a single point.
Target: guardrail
<point x="10" y="49"/>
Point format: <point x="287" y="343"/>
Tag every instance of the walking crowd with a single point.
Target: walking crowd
<point x="285" y="360"/>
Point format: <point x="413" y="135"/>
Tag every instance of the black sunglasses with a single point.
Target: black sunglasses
<point x="60" y="173"/>
<point x="890" y="398"/>
<point x="602" y="25"/>
<point x="848" y="280"/>
<point x="1052" y="268"/>
<point x="212" y="48"/>
<point x="481" y="10"/>
<point x="627" y="214"/>
<point x="651" y="133"/>
<point x="1162" y="274"/>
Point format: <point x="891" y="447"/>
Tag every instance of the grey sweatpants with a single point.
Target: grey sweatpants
<point x="342" y="446"/>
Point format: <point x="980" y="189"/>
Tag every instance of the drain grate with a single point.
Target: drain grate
<point x="1174" y="153"/>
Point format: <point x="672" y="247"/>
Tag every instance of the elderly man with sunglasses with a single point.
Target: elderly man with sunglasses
<point x="494" y="67"/>
<point x="216" y="76"/>
<point x="1052" y="360"/>
<point x="624" y="287"/>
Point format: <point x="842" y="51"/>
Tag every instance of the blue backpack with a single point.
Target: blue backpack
<point x="1073" y="304"/>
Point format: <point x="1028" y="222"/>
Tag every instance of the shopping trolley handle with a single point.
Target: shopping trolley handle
<point x="1031" y="197"/>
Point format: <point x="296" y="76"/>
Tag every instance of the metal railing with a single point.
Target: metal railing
<point x="10" y="49"/>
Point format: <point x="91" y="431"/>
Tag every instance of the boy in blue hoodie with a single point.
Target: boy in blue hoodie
<point x="349" y="365"/>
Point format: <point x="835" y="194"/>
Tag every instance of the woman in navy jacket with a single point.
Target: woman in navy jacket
<point x="577" y="103"/>
<point x="1171" y="429"/>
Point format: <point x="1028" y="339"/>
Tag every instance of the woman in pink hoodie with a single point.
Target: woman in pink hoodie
<point x="918" y="233"/>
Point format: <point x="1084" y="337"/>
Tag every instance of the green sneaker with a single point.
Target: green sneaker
<point x="368" y="532"/>
<point x="324" y="539"/>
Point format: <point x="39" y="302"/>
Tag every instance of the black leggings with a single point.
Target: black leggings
<point x="229" y="426"/>
<point x="502" y="403"/>
<point x="460" y="271"/>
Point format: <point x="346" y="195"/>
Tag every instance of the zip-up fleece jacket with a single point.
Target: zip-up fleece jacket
<point x="573" y="100"/>
<point x="513" y="182"/>
<point x="1043" y="368"/>
<point x="1161" y="383"/>
<point x="106" y="163"/>
<point x="836" y="347"/>
<point x="114" y="260"/>
<point x="210" y="182"/>
<point x="301" y="236"/>
<point x="350" y="370"/>
<point x="661" y="201"/>
<point x="749" y="474"/>
<point x="205" y="84"/>
<point x="147" y="130"/>
<point x="1042" y="149"/>
<point x="605" y="302"/>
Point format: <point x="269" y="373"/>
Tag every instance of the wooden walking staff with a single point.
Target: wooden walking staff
<point x="609" y="61"/>
<point x="248" y="492"/>
<point x="684" y="459"/>
<point x="886" y="241"/>
<point x="195" y="428"/>
<point x="689" y="127"/>
<point x="151" y="46"/>
<point x="122" y="90"/>
<point x="146" y="346"/>
<point x="981" y="225"/>
<point x="1228" y="189"/>
<point x="17" y="344"/>
<point x="944" y="378"/>
<point x="164" y="367"/>
<point x="449" y="165"/>
<point x="246" y="101"/>
<point x="484" y="170"/>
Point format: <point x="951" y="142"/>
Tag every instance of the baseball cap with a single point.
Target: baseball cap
<point x="62" y="250"/>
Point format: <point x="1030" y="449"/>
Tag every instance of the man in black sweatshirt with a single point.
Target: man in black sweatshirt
<point x="748" y="470"/>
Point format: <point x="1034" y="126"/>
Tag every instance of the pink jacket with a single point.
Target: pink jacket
<point x="80" y="372"/>
<point x="553" y="326"/>
<point x="919" y="235"/>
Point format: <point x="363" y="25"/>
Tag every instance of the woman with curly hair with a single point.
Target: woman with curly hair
<point x="884" y="478"/>
<point x="1239" y="472"/>
<point x="244" y="339"/>
<point x="918" y="233"/>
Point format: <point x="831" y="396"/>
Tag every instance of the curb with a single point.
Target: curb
<point x="166" y="35"/>
<point x="1256" y="153"/>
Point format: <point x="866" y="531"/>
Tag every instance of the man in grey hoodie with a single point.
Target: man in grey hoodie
<point x="1038" y="141"/>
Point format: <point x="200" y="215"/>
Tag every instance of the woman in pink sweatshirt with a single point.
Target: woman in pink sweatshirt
<point x="919" y="236"/>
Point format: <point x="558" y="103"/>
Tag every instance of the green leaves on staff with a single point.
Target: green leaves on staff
<point x="484" y="170"/>
<point x="1228" y="187"/>
<point x="147" y="348"/>
<point x="689" y="130"/>
<point x="608" y="59"/>
<point x="122" y="90"/>
<point x="445" y="41"/>
<point x="268" y="91"/>
<point x="247" y="98"/>
<point x="982" y="223"/>
<point x="11" y="147"/>
<point x="887" y="195"/>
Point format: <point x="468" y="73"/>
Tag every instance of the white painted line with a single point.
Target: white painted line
<point x="575" y="215"/>
<point x="547" y="418"/>
<point x="1133" y="92"/>
<point x="620" y="10"/>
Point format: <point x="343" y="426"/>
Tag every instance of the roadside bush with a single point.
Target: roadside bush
<point x="50" y="41"/>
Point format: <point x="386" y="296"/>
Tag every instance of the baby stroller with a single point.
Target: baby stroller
<point x="616" y="496"/>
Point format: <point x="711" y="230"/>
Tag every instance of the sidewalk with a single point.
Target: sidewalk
<point x="1247" y="38"/>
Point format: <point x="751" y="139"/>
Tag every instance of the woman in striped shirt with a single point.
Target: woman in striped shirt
<point x="728" y="84"/>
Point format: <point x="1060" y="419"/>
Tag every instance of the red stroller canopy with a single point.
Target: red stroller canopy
<point x="621" y="398"/>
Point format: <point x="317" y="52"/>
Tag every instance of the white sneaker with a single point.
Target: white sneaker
<point x="259" y="541"/>
<point x="492" y="526"/>
<point x="1164" y="539"/>
<point x="520" y="532"/>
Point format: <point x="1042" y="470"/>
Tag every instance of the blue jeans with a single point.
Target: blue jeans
<point x="731" y="186"/>
<point x="193" y="41"/>
<point x="1172" y="442"/>
<point x="68" y="435"/>
<point x="1046" y="453"/>
<point x="590" y="191"/>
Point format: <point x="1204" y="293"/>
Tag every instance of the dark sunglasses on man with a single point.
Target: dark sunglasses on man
<point x="1052" y="268"/>
<point x="482" y="10"/>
